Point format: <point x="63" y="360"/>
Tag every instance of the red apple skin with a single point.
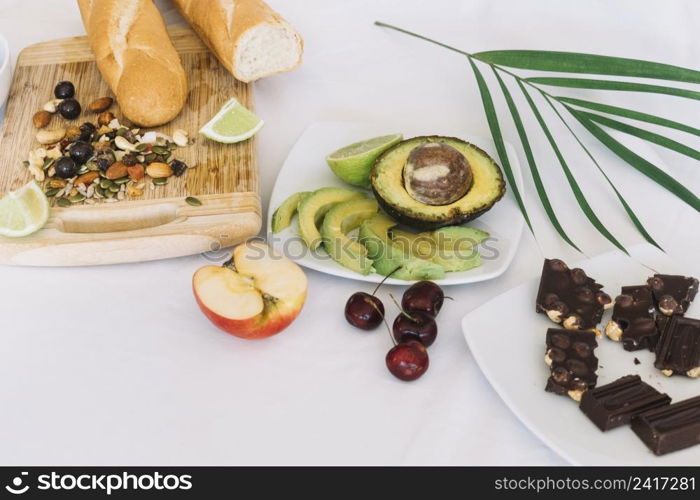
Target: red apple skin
<point x="257" y="327"/>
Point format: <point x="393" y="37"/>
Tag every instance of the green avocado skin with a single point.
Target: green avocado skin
<point x="415" y="215"/>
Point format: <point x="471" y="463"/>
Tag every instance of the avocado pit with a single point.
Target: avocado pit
<point x="437" y="174"/>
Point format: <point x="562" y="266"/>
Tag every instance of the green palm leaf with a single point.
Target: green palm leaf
<point x="642" y="165"/>
<point x="644" y="134"/>
<point x="628" y="209"/>
<point x="628" y="113"/>
<point x="573" y="184"/>
<point x="589" y="83"/>
<point x="492" y="119"/>
<point x="539" y="185"/>
<point x="573" y="62"/>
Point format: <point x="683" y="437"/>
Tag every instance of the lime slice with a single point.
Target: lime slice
<point x="24" y="211"/>
<point x="233" y="123"/>
<point x="353" y="163"/>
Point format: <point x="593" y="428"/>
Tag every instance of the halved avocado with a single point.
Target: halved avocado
<point x="282" y="217"/>
<point x="437" y="175"/>
<point x="427" y="247"/>
<point x="340" y="220"/>
<point x="314" y="207"/>
<point x="391" y="259"/>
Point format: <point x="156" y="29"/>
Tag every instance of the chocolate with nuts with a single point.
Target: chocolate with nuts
<point x="571" y="359"/>
<point x="678" y="350"/>
<point x="570" y="297"/>
<point x="673" y="294"/>
<point x="633" y="319"/>
<point x="670" y="428"/>
<point x="618" y="402"/>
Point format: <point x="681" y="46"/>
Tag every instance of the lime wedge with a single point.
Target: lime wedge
<point x="353" y="163"/>
<point x="24" y="211"/>
<point x="233" y="123"/>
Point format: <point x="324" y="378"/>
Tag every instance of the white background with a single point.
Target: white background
<point x="115" y="365"/>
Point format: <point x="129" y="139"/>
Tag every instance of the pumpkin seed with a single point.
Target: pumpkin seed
<point x="99" y="191"/>
<point x="114" y="188"/>
<point x="160" y="150"/>
<point x="195" y="202"/>
<point x="121" y="180"/>
<point x="160" y="181"/>
<point x="121" y="131"/>
<point x="106" y="183"/>
<point x="63" y="202"/>
<point x="51" y="192"/>
<point x="77" y="198"/>
<point x="150" y="157"/>
<point x="25" y="163"/>
<point x="92" y="165"/>
<point x="141" y="147"/>
<point x="109" y="193"/>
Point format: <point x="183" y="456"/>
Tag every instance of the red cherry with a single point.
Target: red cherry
<point x="408" y="361"/>
<point x="364" y="311"/>
<point x="423" y="296"/>
<point x="416" y="325"/>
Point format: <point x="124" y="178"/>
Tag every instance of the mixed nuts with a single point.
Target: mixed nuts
<point x="103" y="161"/>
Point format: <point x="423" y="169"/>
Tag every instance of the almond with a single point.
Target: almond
<point x="159" y="170"/>
<point x="100" y="105"/>
<point x="136" y="172"/>
<point x="104" y="118"/>
<point x="41" y="119"/>
<point x="116" y="171"/>
<point x="87" y="178"/>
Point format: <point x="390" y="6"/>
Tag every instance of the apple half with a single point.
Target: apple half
<point x="255" y="295"/>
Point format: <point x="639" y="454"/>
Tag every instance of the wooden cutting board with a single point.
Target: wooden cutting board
<point x="160" y="224"/>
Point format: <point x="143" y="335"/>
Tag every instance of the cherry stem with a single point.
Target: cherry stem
<point x="401" y="309"/>
<point x="385" y="278"/>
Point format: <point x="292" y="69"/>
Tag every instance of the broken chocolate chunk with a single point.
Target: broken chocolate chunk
<point x="572" y="361"/>
<point x="673" y="294"/>
<point x="678" y="350"/>
<point x="633" y="319"/>
<point x="615" y="404"/>
<point x="570" y="297"/>
<point x="670" y="428"/>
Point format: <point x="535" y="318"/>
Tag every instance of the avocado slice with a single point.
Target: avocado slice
<point x="399" y="196"/>
<point x="451" y="259"/>
<point x="314" y="207"/>
<point x="340" y="220"/>
<point x="389" y="258"/>
<point x="282" y="217"/>
<point x="459" y="237"/>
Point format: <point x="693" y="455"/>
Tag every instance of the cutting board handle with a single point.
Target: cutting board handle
<point x="115" y="219"/>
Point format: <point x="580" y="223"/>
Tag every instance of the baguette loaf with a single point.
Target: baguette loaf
<point x="136" y="58"/>
<point x="249" y="38"/>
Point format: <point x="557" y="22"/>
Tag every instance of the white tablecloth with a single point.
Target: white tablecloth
<point x="115" y="365"/>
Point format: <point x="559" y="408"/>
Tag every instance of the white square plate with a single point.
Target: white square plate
<point x="506" y="337"/>
<point x="305" y="169"/>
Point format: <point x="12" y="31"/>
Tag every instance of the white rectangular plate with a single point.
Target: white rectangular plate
<point x="305" y="169"/>
<point x="506" y="337"/>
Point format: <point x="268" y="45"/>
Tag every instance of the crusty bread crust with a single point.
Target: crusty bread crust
<point x="222" y="23"/>
<point x="137" y="59"/>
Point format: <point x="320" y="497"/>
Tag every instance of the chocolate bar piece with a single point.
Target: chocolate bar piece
<point x="670" y="428"/>
<point x="615" y="404"/>
<point x="633" y="319"/>
<point x="678" y="350"/>
<point x="572" y="361"/>
<point x="569" y="297"/>
<point x="673" y="294"/>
